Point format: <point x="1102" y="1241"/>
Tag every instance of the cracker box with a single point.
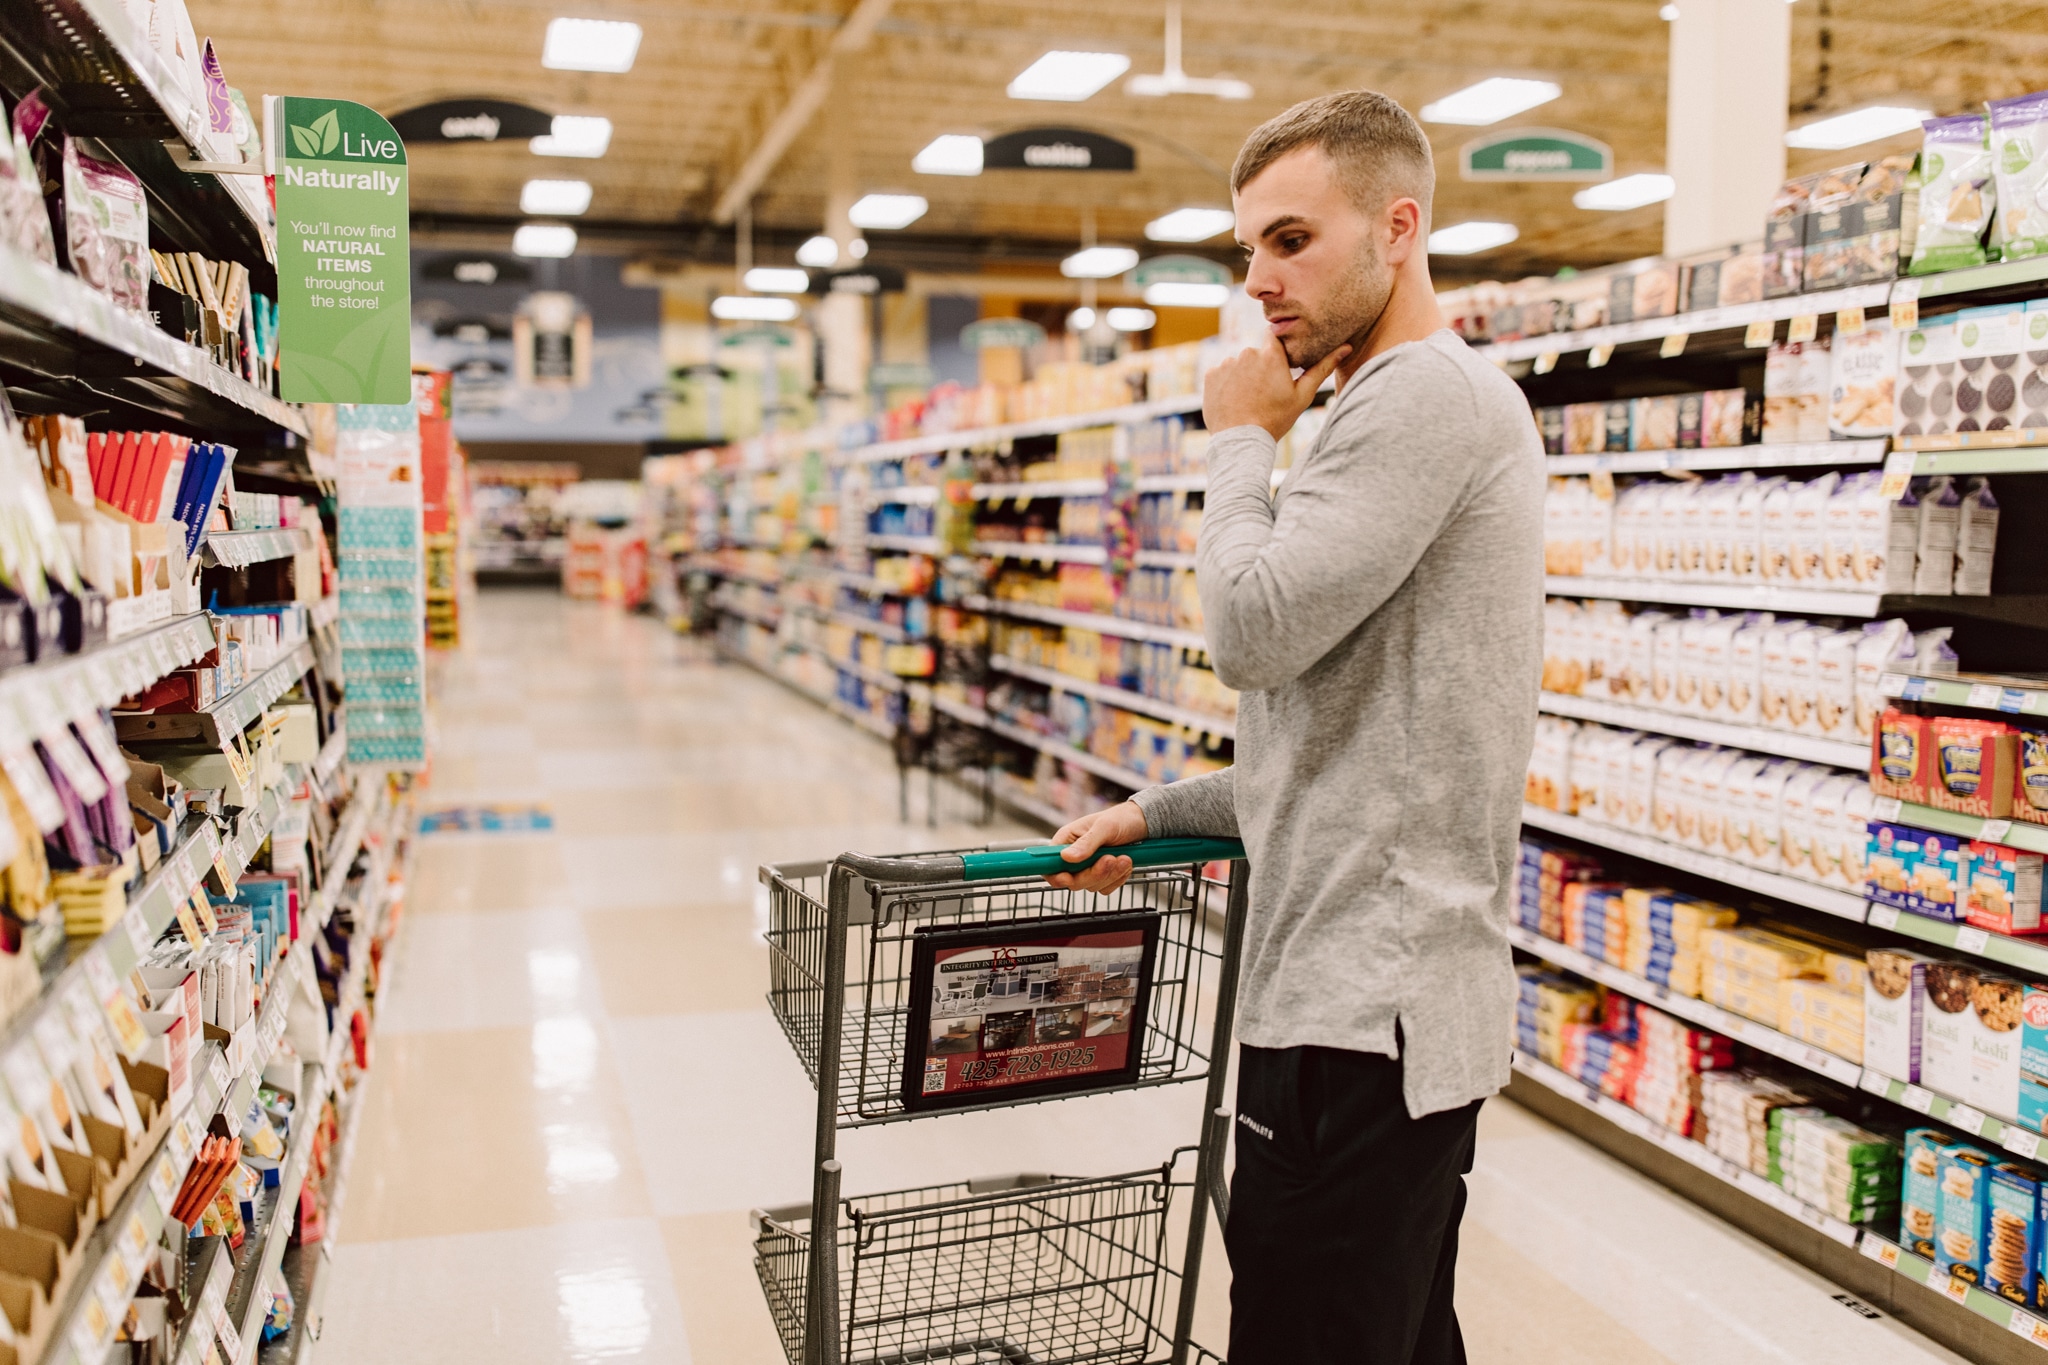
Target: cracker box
<point x="1945" y="1029"/>
<point x="2004" y="889"/>
<point x="1971" y="766"/>
<point x="1920" y="1189"/>
<point x="1989" y="341"/>
<point x="1994" y="1030"/>
<point x="1963" y="1213"/>
<point x="2030" y="777"/>
<point x="1926" y="395"/>
<point x="1901" y="761"/>
<point x="2012" y="1255"/>
<point x="1894" y="1001"/>
<point x="1941" y="869"/>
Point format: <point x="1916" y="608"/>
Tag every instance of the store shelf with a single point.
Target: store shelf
<point x="2000" y="275"/>
<point x="38" y="698"/>
<point x="1684" y="1148"/>
<point x="1011" y="792"/>
<point x="916" y="545"/>
<point x="913" y="495"/>
<point x="226" y="717"/>
<point x="873" y="676"/>
<point x="1721" y="457"/>
<point x="771" y="620"/>
<point x="331" y="753"/>
<point x="1826" y="899"/>
<point x="1755" y="738"/>
<point x="1993" y="460"/>
<point x="867" y="585"/>
<point x="971" y="438"/>
<point x="1067" y="753"/>
<point x="2013" y="833"/>
<point x="1164" y="559"/>
<point x="1735" y="596"/>
<point x="54" y="324"/>
<point x="1988" y="1306"/>
<point x="1762" y="1037"/>
<point x="239" y="549"/>
<point x="1738" y="315"/>
<point x="342" y="850"/>
<point x="1173" y="483"/>
<point x="1117" y="696"/>
<point x="105" y="80"/>
<point x="1043" y="552"/>
<point x="1983" y="692"/>
<point x="866" y="720"/>
<point x="1086" y="620"/>
<point x="1049" y="488"/>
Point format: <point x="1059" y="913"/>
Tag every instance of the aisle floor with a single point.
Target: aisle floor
<point x="578" y="1093"/>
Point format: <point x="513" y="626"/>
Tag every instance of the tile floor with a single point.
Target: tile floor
<point x="578" y="1094"/>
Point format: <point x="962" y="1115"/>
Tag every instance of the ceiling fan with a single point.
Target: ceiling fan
<point x="1174" y="81"/>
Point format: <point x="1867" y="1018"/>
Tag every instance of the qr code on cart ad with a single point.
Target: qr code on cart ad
<point x="934" y="1075"/>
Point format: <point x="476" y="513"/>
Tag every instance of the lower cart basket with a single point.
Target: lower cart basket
<point x="1018" y="1270"/>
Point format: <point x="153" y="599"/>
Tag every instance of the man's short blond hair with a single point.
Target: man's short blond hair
<point x="1379" y="149"/>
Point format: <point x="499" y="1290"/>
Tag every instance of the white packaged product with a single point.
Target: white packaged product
<point x="1825" y="806"/>
<point x="1841" y="531"/>
<point x="1795" y="818"/>
<point x="1834" y="692"/>
<point x="1796" y="382"/>
<point x="1872" y="511"/>
<point x="1802" y="676"/>
<point x="1774" y="561"/>
<point x="1901" y="567"/>
<point x="1940" y="518"/>
<point x="1686" y="821"/>
<point x="1664" y="663"/>
<point x="1809" y="510"/>
<point x="1685" y="695"/>
<point x="1879" y="646"/>
<point x="1926" y="403"/>
<point x="1715" y="644"/>
<point x="1671" y="507"/>
<point x="1579" y="648"/>
<point x="1745" y="545"/>
<point x="1766" y="813"/>
<point x="1664" y="792"/>
<point x="1637" y="687"/>
<point x="1988" y="345"/>
<point x="1976" y="540"/>
<point x="1865" y="373"/>
<point x="2019" y="161"/>
<point x="1644" y="757"/>
<point x="1957" y="195"/>
<point x="1775" y="676"/>
<point x="1713" y="773"/>
<point x="1855" y="828"/>
<point x="1631" y="556"/>
<point x="1744" y="701"/>
<point x="1585" y="768"/>
<point x="1614" y="777"/>
<point x="1613" y="639"/>
<point x="1718" y="503"/>
<point x="1596" y="528"/>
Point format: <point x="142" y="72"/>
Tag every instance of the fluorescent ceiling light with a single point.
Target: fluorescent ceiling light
<point x="1169" y="294"/>
<point x="747" y="308"/>
<point x="590" y="45"/>
<point x="1490" y="101"/>
<point x="886" y="211"/>
<point x="1132" y="319"/>
<point x="768" y="279"/>
<point x="1068" y="75"/>
<point x="1669" y="14"/>
<point x="949" y="154"/>
<point x="544" y="239"/>
<point x="819" y="253"/>
<point x="1629" y="192"/>
<point x="568" y="197"/>
<point x="1098" y="262"/>
<point x="574" y="135"/>
<point x="1462" y="239"/>
<point x="1081" y="319"/>
<point x="1190" y="225"/>
<point x="1857" y="127"/>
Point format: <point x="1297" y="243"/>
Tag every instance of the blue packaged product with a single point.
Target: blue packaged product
<point x="1962" y="1220"/>
<point x="2012" y="1254"/>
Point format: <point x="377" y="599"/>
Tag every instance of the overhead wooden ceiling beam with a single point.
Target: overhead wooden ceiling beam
<point x="804" y="100"/>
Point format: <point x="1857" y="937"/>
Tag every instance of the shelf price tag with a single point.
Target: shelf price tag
<point x="1545" y="363"/>
<point x="1956" y="1288"/>
<point x="1848" y="321"/>
<point x="1964" y="1117"/>
<point x="1598" y="355"/>
<point x="1759" y="333"/>
<point x="1674" y="346"/>
<point x="1876" y="1082"/>
<point x="1898" y="474"/>
<point x="1885" y="807"/>
<point x="1884" y="1253"/>
<point x="1805" y="327"/>
<point x="1991" y="832"/>
<point x="2019" y="1141"/>
<point x="1984" y="696"/>
<point x="1891" y="685"/>
<point x="202" y="908"/>
<point x="1972" y="940"/>
<point x="1905" y="308"/>
<point x="189" y="923"/>
<point x="1918" y="1100"/>
<point x="217" y="1072"/>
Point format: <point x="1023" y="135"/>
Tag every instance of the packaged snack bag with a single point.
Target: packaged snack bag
<point x="1957" y="194"/>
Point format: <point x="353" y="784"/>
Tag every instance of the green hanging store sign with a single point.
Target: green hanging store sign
<point x="344" y="255"/>
<point x="1536" y="154"/>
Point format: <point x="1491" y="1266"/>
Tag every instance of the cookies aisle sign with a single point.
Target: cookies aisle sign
<point x="1026" y="1009"/>
<point x="344" y="258"/>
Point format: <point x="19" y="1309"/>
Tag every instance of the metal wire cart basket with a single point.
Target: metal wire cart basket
<point x="953" y="981"/>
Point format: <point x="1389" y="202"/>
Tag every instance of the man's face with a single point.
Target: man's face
<point x="1314" y="264"/>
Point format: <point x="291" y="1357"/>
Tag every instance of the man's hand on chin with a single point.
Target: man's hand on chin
<point x="1257" y="388"/>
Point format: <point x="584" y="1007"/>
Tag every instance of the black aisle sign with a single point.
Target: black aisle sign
<point x="1057" y="149"/>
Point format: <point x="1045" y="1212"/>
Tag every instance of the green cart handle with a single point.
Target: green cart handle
<point x="1043" y="860"/>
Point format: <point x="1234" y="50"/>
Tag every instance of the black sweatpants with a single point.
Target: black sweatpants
<point x="1343" y="1231"/>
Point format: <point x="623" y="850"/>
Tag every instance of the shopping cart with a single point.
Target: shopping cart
<point x="1023" y="1269"/>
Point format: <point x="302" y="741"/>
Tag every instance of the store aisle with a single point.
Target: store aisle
<point x="578" y="1092"/>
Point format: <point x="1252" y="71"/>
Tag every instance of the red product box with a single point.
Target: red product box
<point x="1970" y="766"/>
<point x="1901" y="757"/>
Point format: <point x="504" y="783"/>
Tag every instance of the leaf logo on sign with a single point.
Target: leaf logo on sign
<point x="321" y="138"/>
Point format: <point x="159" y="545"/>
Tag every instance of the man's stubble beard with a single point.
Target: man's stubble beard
<point x="1352" y="310"/>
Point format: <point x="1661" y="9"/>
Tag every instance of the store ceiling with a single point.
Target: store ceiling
<point x="710" y="79"/>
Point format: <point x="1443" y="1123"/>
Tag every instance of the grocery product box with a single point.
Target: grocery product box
<point x="1894" y="1001"/>
<point x="1915" y="869"/>
<point x="1973" y="764"/>
<point x="2012" y="1251"/>
<point x="2004" y="889"/>
<point x="1963" y="1213"/>
<point x="1945" y="1029"/>
<point x="1901" y="757"/>
<point x="1920" y="1188"/>
<point x="2030" y="779"/>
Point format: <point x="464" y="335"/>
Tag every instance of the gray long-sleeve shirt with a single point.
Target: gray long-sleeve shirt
<point x="1383" y="618"/>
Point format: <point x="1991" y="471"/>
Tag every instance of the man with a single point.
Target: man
<point x="1382" y="618"/>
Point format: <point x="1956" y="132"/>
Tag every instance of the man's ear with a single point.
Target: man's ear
<point x="1403" y="226"/>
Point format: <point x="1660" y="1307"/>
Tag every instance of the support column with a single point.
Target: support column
<point x="1724" y="131"/>
<point x="843" y="327"/>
